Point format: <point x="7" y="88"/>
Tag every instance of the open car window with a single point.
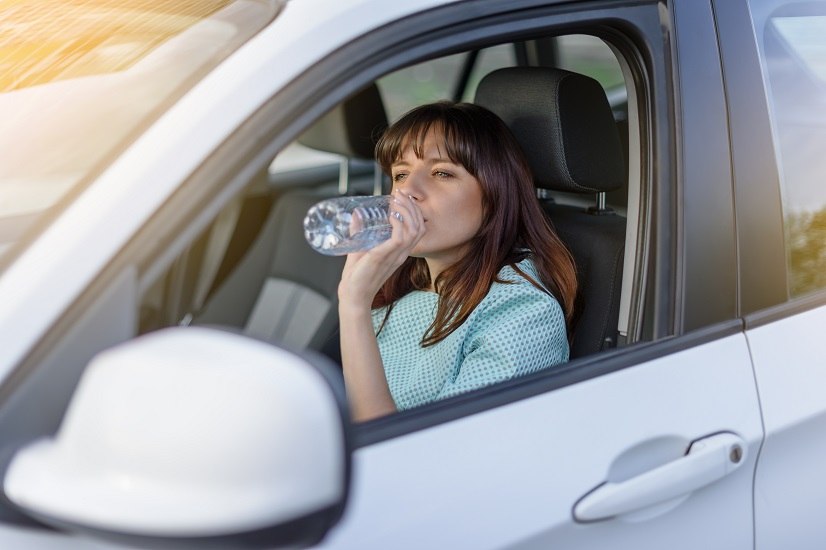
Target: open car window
<point x="251" y="269"/>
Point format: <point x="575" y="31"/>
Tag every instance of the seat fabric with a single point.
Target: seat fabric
<point x="282" y="290"/>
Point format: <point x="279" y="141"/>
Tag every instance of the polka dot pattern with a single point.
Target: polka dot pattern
<point x="517" y="329"/>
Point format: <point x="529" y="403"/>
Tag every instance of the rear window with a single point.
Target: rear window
<point x="81" y="80"/>
<point x="792" y="40"/>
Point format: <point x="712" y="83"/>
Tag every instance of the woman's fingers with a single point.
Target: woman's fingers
<point x="408" y="216"/>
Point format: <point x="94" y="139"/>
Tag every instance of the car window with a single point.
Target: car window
<point x="105" y="69"/>
<point x="793" y="54"/>
<point x="402" y="90"/>
<point x="438" y="79"/>
<point x="586" y="54"/>
<point x="268" y="273"/>
<point x="429" y="81"/>
<point x="489" y="60"/>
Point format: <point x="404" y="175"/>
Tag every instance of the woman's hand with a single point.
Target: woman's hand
<point x="365" y="272"/>
<point x="363" y="275"/>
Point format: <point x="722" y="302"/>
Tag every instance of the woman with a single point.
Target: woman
<point x="473" y="287"/>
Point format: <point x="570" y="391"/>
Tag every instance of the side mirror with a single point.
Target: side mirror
<point x="194" y="436"/>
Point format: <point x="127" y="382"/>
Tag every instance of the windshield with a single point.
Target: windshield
<point x="80" y="80"/>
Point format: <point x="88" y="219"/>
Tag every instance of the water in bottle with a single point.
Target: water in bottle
<point x="348" y="224"/>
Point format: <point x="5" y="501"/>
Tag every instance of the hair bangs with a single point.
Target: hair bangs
<point x="413" y="128"/>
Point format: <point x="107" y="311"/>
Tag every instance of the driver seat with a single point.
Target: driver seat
<point x="567" y="130"/>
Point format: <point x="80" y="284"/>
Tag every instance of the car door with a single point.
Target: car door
<point x="780" y="54"/>
<point x="599" y="454"/>
<point x="512" y="476"/>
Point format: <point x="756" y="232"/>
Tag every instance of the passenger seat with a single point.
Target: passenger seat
<point x="282" y="290"/>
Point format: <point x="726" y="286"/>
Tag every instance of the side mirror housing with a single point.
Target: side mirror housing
<point x="194" y="435"/>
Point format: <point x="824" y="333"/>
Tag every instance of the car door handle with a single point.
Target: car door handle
<point x="706" y="461"/>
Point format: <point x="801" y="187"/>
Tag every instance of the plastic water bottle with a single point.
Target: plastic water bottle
<point x="348" y="224"/>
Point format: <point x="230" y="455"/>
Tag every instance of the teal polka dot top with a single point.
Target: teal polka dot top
<point x="516" y="329"/>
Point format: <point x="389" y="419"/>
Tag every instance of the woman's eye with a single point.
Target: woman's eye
<point x="399" y="177"/>
<point x="442" y="174"/>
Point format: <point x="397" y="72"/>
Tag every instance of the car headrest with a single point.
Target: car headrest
<point x="352" y="128"/>
<point x="564" y="124"/>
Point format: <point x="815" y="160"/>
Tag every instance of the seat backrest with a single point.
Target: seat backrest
<point x="350" y="129"/>
<point x="566" y="128"/>
<point x="282" y="290"/>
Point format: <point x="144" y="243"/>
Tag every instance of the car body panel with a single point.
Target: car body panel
<point x="509" y="477"/>
<point x="790" y="477"/>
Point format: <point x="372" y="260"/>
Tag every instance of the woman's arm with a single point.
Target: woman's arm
<point x="363" y="275"/>
<point x="364" y="378"/>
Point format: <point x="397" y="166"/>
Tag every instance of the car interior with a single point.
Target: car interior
<point x="566" y="99"/>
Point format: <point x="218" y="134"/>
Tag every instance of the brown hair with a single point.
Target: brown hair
<point x="513" y="228"/>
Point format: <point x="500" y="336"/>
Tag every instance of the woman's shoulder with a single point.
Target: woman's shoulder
<point x="519" y="277"/>
<point x="517" y="302"/>
<point x="519" y="284"/>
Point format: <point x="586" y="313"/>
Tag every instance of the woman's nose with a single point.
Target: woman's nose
<point x="414" y="186"/>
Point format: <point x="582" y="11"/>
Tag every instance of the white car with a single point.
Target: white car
<point x="164" y="326"/>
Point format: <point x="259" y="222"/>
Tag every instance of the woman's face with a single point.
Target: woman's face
<point x="449" y="197"/>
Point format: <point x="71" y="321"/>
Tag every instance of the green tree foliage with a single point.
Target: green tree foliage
<point x="806" y="242"/>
